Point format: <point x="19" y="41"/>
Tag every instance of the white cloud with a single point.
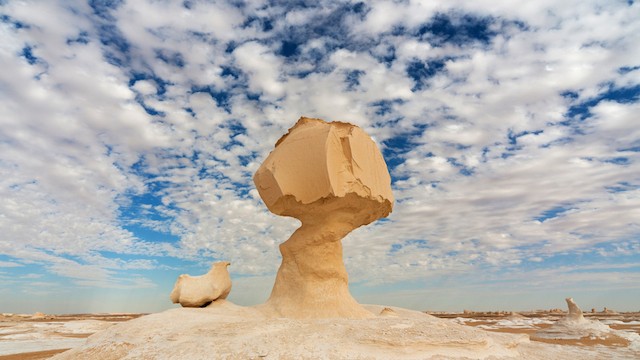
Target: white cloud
<point x="385" y="14"/>
<point x="263" y="68"/>
<point x="9" y="264"/>
<point x="77" y="145"/>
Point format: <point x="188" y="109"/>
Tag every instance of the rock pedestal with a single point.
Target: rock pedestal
<point x="333" y="178"/>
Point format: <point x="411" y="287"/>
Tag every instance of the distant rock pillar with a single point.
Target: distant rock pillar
<point x="575" y="314"/>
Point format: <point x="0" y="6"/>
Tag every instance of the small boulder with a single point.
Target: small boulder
<point x="389" y="312"/>
<point x="515" y="316"/>
<point x="38" y="315"/>
<point x="200" y="291"/>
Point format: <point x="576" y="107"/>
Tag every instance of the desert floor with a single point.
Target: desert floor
<point x="531" y="322"/>
<point x="32" y="337"/>
<point x="38" y="336"/>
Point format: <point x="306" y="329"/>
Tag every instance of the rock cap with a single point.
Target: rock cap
<point x="317" y="162"/>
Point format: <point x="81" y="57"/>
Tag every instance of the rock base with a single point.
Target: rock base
<point x="227" y="331"/>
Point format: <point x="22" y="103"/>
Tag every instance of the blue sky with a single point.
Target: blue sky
<point x="130" y="130"/>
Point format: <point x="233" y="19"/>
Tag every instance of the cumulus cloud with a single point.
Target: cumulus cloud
<point x="8" y="264"/>
<point x="131" y="132"/>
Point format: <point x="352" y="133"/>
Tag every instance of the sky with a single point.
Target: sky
<point x="130" y="132"/>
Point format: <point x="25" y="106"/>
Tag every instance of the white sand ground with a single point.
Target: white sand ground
<point x="227" y="331"/>
<point x="22" y="337"/>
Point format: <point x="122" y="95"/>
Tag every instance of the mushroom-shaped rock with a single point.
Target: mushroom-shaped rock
<point x="333" y="178"/>
<point x="198" y="291"/>
<point x="575" y="313"/>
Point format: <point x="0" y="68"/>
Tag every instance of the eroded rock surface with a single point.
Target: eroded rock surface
<point x="198" y="291"/>
<point x="575" y="313"/>
<point x="227" y="331"/>
<point x="333" y="178"/>
<point x="574" y="326"/>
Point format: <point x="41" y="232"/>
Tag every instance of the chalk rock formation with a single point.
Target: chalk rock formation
<point x="227" y="331"/>
<point x="198" y="291"/>
<point x="574" y="326"/>
<point x="575" y="314"/>
<point x="333" y="178"/>
<point x="515" y="316"/>
<point x="38" y="315"/>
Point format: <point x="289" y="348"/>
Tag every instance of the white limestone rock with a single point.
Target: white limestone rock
<point x="199" y="291"/>
<point x="575" y="313"/>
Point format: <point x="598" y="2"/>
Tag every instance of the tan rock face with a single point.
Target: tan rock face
<point x="198" y="291"/>
<point x="316" y="161"/>
<point x="333" y="178"/>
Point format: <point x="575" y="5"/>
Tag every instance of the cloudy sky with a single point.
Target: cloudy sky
<point x="130" y="131"/>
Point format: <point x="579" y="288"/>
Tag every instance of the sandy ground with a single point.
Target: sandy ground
<point x="31" y="337"/>
<point x="534" y="324"/>
<point x="397" y="335"/>
<point x="36" y="355"/>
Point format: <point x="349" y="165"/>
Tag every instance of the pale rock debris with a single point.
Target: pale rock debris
<point x="387" y="311"/>
<point x="38" y="315"/>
